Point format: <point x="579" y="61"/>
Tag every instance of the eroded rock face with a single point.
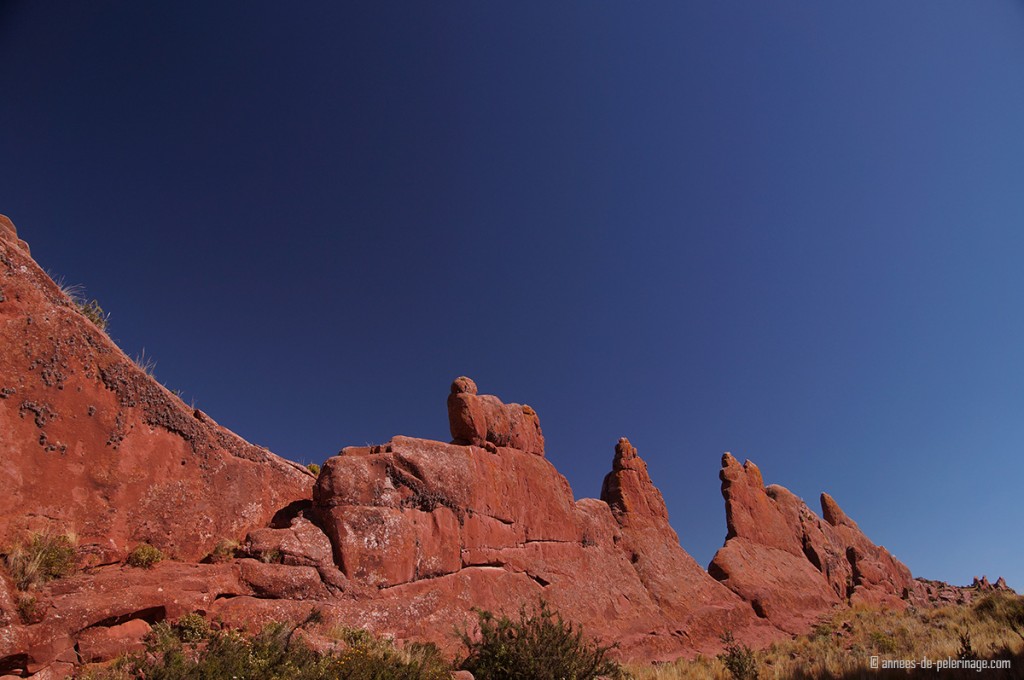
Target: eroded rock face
<point x="446" y="527"/>
<point x="94" y="445"/>
<point x="482" y="419"/>
<point x="793" y="565"/>
<point x="406" y="538"/>
<point x="684" y="592"/>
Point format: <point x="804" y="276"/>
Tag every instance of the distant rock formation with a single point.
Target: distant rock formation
<point x="405" y="538"/>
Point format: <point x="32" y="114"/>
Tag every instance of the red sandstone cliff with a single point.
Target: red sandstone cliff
<point x="92" y="444"/>
<point x="404" y="538"/>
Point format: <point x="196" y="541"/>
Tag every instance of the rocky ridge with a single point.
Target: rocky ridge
<point x="405" y="538"/>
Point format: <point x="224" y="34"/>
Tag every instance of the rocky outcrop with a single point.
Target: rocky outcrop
<point x="406" y="538"/>
<point x="93" y="445"/>
<point x="687" y="596"/>
<point x="450" y="527"/>
<point x="483" y="420"/>
<point x="792" y="565"/>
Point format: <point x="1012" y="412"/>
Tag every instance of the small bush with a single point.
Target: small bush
<point x="272" y="556"/>
<point x="314" y="468"/>
<point x="224" y="550"/>
<point x="144" y="556"/>
<point x="882" y="642"/>
<point x="539" y="646"/>
<point x="28" y="609"/>
<point x="192" y="628"/>
<point x="738" y="659"/>
<point x="42" y="558"/>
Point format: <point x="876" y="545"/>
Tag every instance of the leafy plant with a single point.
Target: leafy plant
<point x="738" y="658"/>
<point x="314" y="468"/>
<point x="144" y="556"/>
<point x="192" y="628"/>
<point x="540" y="645"/>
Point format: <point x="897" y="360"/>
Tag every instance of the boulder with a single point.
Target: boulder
<point x="482" y="419"/>
<point x="103" y="643"/>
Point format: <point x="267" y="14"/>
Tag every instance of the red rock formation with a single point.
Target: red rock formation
<point x="92" y="444"/>
<point x="688" y="597"/>
<point x="792" y="565"/>
<point x="482" y="419"/>
<point x="406" y="538"/>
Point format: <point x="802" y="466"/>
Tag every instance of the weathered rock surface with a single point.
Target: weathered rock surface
<point x="684" y="592"/>
<point x="92" y="444"/>
<point x="482" y="419"/>
<point x="406" y="538"/>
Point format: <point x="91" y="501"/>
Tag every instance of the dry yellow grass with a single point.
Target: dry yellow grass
<point x="842" y="644"/>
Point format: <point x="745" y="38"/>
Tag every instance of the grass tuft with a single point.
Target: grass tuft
<point x="40" y="558"/>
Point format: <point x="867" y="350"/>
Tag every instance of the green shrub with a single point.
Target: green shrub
<point x="540" y="645"/>
<point x="192" y="628"/>
<point x="314" y="468"/>
<point x="42" y="558"/>
<point x="144" y="556"/>
<point x="738" y="659"/>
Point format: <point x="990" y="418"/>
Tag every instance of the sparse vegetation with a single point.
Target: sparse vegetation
<point x="272" y="556"/>
<point x="94" y="313"/>
<point x="28" y="608"/>
<point x="146" y="363"/>
<point x="314" y="468"/>
<point x="738" y="659"/>
<point x="144" y="556"/>
<point x="540" y="645"/>
<point x="89" y="307"/>
<point x="192" y="628"/>
<point x="187" y="650"/>
<point x="40" y="558"/>
<point x="841" y="645"/>
<point x="225" y="550"/>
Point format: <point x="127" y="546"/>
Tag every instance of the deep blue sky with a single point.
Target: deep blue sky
<point x="794" y="231"/>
